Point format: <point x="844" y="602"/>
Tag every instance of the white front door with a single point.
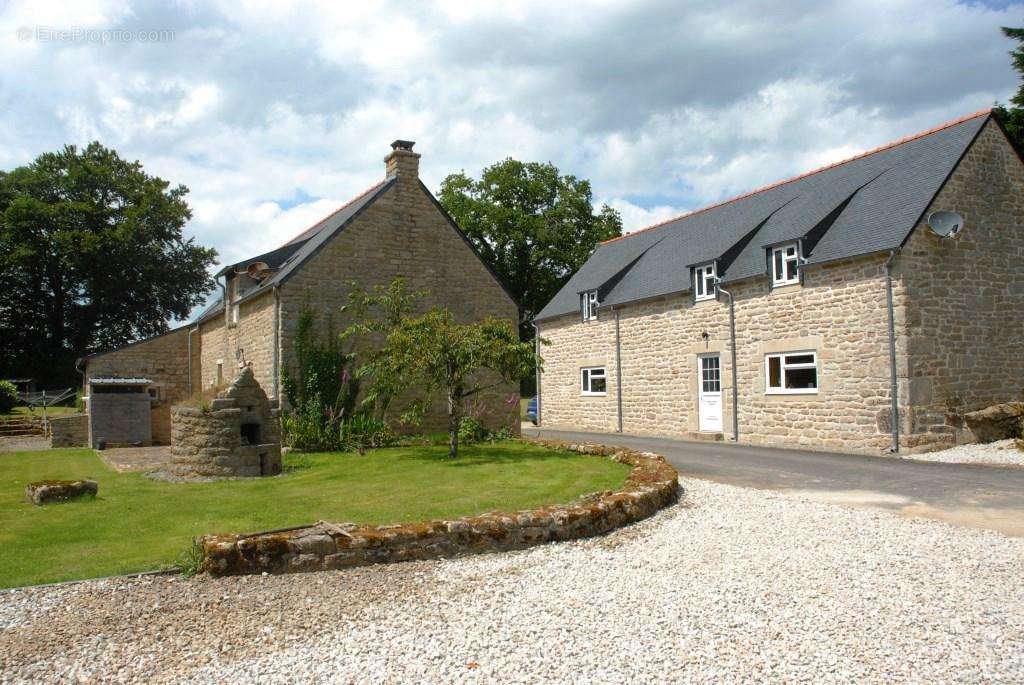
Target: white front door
<point x="709" y="369"/>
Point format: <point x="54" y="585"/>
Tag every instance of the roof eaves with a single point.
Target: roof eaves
<point x="288" y="268"/>
<point x="302" y="235"/>
<point x="100" y="353"/>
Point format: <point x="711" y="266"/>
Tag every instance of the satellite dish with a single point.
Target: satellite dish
<point x="945" y="224"/>
<point x="256" y="270"/>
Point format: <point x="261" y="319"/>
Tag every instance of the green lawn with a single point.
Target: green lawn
<point x="138" y="524"/>
<point x="26" y="411"/>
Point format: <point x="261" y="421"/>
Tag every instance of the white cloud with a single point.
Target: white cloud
<point x="275" y="114"/>
<point x="634" y="217"/>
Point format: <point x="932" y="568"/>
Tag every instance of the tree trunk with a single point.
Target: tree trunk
<point x="453" y="426"/>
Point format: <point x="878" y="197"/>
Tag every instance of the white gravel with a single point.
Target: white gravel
<point x="1001" y="452"/>
<point x="731" y="585"/>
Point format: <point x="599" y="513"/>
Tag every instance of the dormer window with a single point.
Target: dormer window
<point x="589" y="305"/>
<point x="785" y="264"/>
<point x="704" y="278"/>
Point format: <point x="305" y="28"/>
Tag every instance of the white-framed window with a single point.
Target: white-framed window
<point x="589" y="304"/>
<point x="704" y="279"/>
<point x="791" y="373"/>
<point x="593" y="381"/>
<point x="785" y="264"/>
<point x="711" y="374"/>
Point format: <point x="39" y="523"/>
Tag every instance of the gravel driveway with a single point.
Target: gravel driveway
<point x="732" y="584"/>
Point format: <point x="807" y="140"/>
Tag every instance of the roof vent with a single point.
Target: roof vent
<point x="403" y="145"/>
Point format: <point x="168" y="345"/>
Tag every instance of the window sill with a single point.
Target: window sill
<point x="808" y="391"/>
<point x="785" y="287"/>
<point x="704" y="301"/>
<point x="593" y="394"/>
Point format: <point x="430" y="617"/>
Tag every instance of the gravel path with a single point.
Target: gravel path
<point x="1001" y="452"/>
<point x="731" y="585"/>
<point x="23" y="443"/>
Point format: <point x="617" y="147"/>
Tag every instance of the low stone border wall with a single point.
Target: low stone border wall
<point x="69" y="431"/>
<point x="651" y="485"/>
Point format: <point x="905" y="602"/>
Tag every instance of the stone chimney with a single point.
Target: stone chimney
<point x="402" y="163"/>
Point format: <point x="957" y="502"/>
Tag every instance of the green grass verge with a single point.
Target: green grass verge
<point x="27" y="411"/>
<point x="138" y="524"/>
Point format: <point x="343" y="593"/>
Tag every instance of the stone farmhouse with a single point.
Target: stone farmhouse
<point x="810" y="312"/>
<point x="395" y="228"/>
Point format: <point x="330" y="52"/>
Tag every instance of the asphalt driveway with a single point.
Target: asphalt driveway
<point x="970" y="495"/>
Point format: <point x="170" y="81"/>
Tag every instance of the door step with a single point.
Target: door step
<point x="705" y="436"/>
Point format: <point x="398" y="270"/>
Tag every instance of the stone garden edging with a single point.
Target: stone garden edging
<point x="651" y="485"/>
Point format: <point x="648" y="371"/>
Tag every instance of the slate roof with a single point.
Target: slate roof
<point x="289" y="256"/>
<point x="859" y="206"/>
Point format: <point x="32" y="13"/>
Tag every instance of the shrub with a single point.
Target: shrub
<point x="191" y="560"/>
<point x="471" y="430"/>
<point x="308" y="428"/>
<point x="364" y="431"/>
<point x="322" y="389"/>
<point x="8" y="397"/>
<point x="503" y="433"/>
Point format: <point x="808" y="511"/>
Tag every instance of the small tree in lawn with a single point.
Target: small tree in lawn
<point x="437" y="355"/>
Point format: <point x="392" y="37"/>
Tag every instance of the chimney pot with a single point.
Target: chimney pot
<point x="402" y="162"/>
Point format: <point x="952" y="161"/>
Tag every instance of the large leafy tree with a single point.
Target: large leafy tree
<point x="1012" y="117"/>
<point x="534" y="226"/>
<point x="91" y="256"/>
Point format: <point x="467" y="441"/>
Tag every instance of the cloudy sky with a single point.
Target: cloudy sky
<point x="273" y="116"/>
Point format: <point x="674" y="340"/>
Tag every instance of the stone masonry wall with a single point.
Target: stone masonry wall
<point x="652" y="485"/>
<point x="120" y="419"/>
<point x="213" y="349"/>
<point x="69" y="431"/>
<point x="253" y="335"/>
<point x="164" y="360"/>
<point x="965" y="303"/>
<point x="403" y="234"/>
<point x="839" y="312"/>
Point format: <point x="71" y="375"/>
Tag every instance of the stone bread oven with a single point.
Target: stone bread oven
<point x="240" y="434"/>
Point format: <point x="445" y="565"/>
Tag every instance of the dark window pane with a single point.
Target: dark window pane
<point x="797" y="379"/>
<point x="700" y="284"/>
<point x="586" y="379"/>
<point x="790" y="270"/>
<point x="597" y="384"/>
<point x="778" y="266"/>
<point x="774" y="372"/>
<point x="799" y="359"/>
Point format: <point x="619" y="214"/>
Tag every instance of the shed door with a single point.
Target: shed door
<point x="710" y="393"/>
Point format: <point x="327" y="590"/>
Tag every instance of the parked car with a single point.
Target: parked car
<point x="531" y="411"/>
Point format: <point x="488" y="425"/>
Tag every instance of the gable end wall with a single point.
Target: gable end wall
<point x="964" y="325"/>
<point x="404" y="234"/>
